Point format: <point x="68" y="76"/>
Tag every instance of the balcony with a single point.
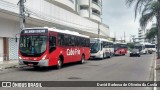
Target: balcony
<point x="96" y="17"/>
<point x="65" y="4"/>
<point x="104" y="30"/>
<point x="84" y="2"/>
<point x="96" y="6"/>
<point x="61" y="18"/>
<point x="84" y="13"/>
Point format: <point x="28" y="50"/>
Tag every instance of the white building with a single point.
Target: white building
<point x="91" y="9"/>
<point x="141" y="35"/>
<point x="62" y="14"/>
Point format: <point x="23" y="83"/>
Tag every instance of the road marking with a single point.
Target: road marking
<point x="155" y="66"/>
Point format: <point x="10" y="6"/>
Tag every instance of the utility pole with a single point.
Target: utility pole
<point x="133" y="38"/>
<point x="114" y="34"/>
<point x="158" y="36"/>
<point x="98" y="30"/>
<point x="21" y="13"/>
<point x="124" y="37"/>
<point x="114" y="39"/>
<point x="121" y="40"/>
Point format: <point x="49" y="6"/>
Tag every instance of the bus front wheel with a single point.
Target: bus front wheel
<point x="36" y="67"/>
<point x="102" y="57"/>
<point x="59" y="65"/>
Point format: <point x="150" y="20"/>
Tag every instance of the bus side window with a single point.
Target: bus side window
<point x="101" y="45"/>
<point x="61" y="39"/>
<point x="52" y="43"/>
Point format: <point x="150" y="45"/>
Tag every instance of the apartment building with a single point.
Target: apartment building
<point x="91" y="9"/>
<point x="82" y="16"/>
<point x="141" y="35"/>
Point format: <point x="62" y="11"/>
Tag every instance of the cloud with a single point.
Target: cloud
<point x="120" y="18"/>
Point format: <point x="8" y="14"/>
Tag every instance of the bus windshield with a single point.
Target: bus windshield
<point x="138" y="47"/>
<point x="95" y="47"/>
<point x="33" y="45"/>
<point x="149" y="46"/>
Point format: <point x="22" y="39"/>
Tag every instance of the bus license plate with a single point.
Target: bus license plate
<point x="30" y="64"/>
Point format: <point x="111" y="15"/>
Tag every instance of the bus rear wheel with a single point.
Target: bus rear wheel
<point x="59" y="65"/>
<point x="110" y="55"/>
<point x="82" y="59"/>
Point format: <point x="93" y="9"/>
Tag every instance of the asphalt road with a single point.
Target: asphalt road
<point x="121" y="68"/>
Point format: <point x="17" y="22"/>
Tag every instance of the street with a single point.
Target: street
<point x="120" y="68"/>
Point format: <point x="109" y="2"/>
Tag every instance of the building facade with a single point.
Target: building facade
<point x="62" y="14"/>
<point x="91" y="9"/>
<point x="141" y="35"/>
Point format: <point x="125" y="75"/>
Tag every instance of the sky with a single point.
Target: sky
<point x="120" y="18"/>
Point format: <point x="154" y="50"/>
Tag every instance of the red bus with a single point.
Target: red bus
<point x="43" y="47"/>
<point x="120" y="48"/>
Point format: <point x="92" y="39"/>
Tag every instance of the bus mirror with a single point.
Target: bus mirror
<point x="16" y="39"/>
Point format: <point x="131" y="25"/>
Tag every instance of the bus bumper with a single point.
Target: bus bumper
<point x="42" y="63"/>
<point x="93" y="56"/>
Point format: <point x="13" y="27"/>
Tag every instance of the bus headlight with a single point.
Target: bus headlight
<point x="44" y="57"/>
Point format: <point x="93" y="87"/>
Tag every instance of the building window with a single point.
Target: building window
<point x="96" y="12"/>
<point x="83" y="7"/>
<point x="97" y="2"/>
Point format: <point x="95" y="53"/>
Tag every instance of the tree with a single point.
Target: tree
<point x="130" y="45"/>
<point x="148" y="9"/>
<point x="152" y="33"/>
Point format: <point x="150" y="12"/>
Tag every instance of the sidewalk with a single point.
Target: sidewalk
<point x="157" y="71"/>
<point x="8" y="64"/>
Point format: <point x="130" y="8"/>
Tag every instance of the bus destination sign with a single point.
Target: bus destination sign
<point x="33" y="31"/>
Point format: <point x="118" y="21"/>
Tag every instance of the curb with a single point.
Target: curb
<point x="155" y="71"/>
<point x="8" y="66"/>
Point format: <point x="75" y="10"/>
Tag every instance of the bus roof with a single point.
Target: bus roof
<point x="120" y="43"/>
<point x="145" y="43"/>
<point x="101" y="39"/>
<point x="60" y="31"/>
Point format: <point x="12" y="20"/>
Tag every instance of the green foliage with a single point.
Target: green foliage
<point x="152" y="33"/>
<point x="147" y="8"/>
<point x="150" y="10"/>
<point x="130" y="45"/>
<point x="139" y="5"/>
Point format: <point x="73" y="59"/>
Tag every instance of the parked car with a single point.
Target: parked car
<point x="135" y="52"/>
<point x="150" y="51"/>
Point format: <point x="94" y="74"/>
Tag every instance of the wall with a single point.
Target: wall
<point x="8" y="28"/>
<point x="1" y="49"/>
<point x="49" y="12"/>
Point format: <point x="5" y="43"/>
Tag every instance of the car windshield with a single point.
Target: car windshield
<point x="95" y="47"/>
<point x="34" y="45"/>
<point x="135" y="50"/>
